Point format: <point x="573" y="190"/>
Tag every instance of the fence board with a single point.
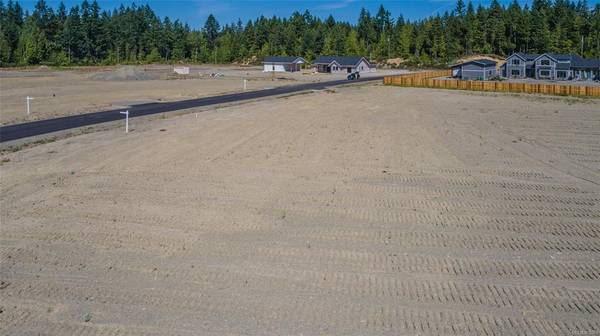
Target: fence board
<point x="429" y="79"/>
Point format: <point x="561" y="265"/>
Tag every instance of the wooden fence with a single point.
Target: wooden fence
<point x="410" y="77"/>
<point x="430" y="79"/>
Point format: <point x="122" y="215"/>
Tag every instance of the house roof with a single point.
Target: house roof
<point x="563" y="58"/>
<point x="525" y="57"/>
<point x="574" y="60"/>
<point x="481" y="62"/>
<point x="563" y="66"/>
<point x="341" y="60"/>
<point x="548" y="55"/>
<point x="283" y="59"/>
<point x="586" y="63"/>
<point x="566" y="57"/>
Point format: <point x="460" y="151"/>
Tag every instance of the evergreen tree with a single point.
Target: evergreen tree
<point x="33" y="45"/>
<point x="404" y="40"/>
<point x="496" y="32"/>
<point x="383" y="21"/>
<point x="366" y="28"/>
<point x="352" y="45"/>
<point x="329" y="46"/>
<point x="460" y="10"/>
<point x="71" y="35"/>
<point x="540" y="29"/>
<point x="211" y="30"/>
<point x="83" y="34"/>
<point x="594" y="44"/>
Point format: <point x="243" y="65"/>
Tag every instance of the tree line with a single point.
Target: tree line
<point x="85" y="34"/>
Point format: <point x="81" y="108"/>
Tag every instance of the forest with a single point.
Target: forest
<point x="86" y="34"/>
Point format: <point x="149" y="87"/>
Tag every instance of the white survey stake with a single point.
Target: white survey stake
<point x="126" y="113"/>
<point x="28" y="99"/>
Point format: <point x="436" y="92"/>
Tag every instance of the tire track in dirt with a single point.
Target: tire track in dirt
<point x="388" y="212"/>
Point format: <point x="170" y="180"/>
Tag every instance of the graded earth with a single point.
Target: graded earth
<point x="79" y="90"/>
<point x="365" y="210"/>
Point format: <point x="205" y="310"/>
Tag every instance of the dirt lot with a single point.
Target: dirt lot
<point x="88" y="89"/>
<point x="368" y="211"/>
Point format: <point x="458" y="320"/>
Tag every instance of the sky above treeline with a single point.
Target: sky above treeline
<point x="195" y="12"/>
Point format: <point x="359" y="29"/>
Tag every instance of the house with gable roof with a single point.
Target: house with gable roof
<point x="344" y="64"/>
<point x="282" y="63"/>
<point x="479" y="69"/>
<point x="551" y="66"/>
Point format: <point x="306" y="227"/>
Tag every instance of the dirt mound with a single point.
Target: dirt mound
<point x="249" y="61"/>
<point x="499" y="59"/>
<point x="395" y="61"/>
<point x="125" y="73"/>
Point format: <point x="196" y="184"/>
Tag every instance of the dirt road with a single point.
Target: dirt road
<point x="368" y="211"/>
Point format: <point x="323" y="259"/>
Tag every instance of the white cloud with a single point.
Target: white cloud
<point x="336" y="4"/>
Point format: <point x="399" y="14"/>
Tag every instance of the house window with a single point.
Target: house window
<point x="545" y="73"/>
<point x="515" y="72"/>
<point x="545" y="62"/>
<point x="561" y="74"/>
<point x="516" y="61"/>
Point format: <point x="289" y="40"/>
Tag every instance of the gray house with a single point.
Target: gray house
<point x="551" y="67"/>
<point x="282" y="63"/>
<point x="348" y="64"/>
<point x="480" y="69"/>
<point x="519" y="65"/>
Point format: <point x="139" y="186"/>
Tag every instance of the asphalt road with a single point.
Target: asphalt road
<point x="34" y="128"/>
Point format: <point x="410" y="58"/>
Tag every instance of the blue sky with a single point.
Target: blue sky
<point x="194" y="12"/>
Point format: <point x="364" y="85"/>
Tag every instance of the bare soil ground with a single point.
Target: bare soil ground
<point x="368" y="211"/>
<point x="496" y="58"/>
<point x="88" y="89"/>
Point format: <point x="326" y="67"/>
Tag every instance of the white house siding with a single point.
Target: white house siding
<point x="363" y="67"/>
<point x="334" y="67"/>
<point x="270" y="67"/>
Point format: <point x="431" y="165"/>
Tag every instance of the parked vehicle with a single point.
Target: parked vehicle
<point x="354" y="76"/>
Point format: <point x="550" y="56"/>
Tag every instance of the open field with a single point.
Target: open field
<point x="366" y="211"/>
<point x="89" y="89"/>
